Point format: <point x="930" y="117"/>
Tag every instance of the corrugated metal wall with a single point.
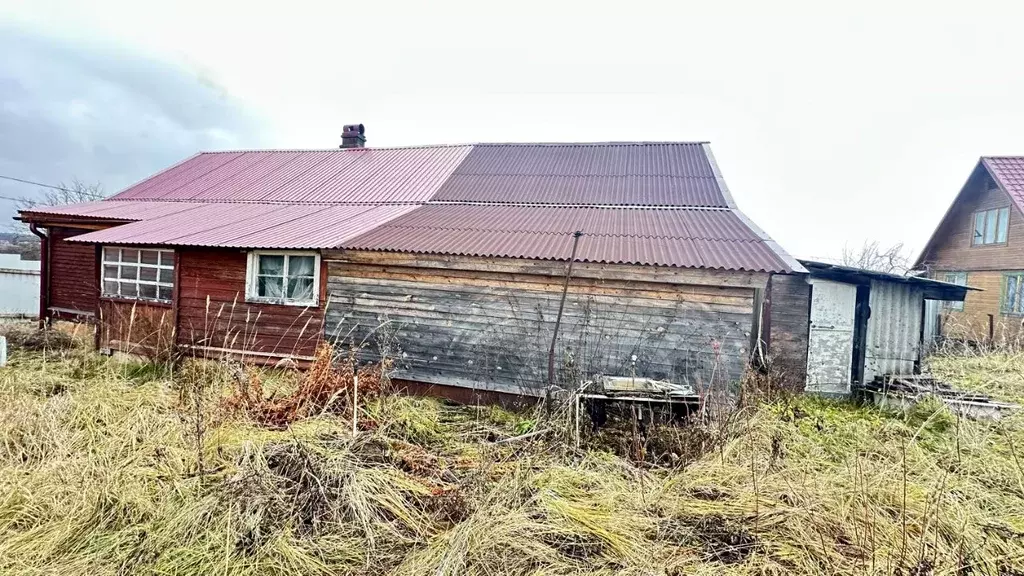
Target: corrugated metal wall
<point x="894" y="329"/>
<point x="19" y="287"/>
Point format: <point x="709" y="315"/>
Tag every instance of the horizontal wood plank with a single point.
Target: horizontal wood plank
<point x="691" y="276"/>
<point x="491" y="328"/>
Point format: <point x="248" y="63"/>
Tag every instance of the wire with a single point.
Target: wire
<point x="61" y="188"/>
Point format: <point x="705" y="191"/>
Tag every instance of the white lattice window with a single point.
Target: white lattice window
<point x="138" y="274"/>
<point x="283" y="277"/>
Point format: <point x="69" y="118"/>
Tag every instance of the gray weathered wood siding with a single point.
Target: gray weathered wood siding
<point x="487" y="323"/>
<point x="788" y="309"/>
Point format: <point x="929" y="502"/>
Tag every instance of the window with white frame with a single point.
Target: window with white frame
<point x="991" y="226"/>
<point x="1013" y="293"/>
<point x="138" y="274"/>
<point x="283" y="277"/>
<point x="960" y="279"/>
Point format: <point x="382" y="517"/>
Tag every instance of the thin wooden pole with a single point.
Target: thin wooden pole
<point x="558" y="320"/>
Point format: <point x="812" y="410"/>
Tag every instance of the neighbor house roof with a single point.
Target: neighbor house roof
<point x="636" y="203"/>
<point x="1008" y="174"/>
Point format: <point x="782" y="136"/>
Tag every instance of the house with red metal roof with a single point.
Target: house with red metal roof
<point x="980" y="242"/>
<point x="453" y="259"/>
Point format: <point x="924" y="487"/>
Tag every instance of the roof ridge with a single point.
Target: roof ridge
<point x="339" y="150"/>
<point x="687" y="176"/>
<point x="464" y="145"/>
<point x="608" y="143"/>
<point x="426" y="203"/>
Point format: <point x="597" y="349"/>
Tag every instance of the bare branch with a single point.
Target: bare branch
<point x="76" y="191"/>
<point x="872" y="256"/>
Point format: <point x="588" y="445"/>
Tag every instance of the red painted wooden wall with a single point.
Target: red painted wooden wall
<point x="73" y="277"/>
<point x="212" y="310"/>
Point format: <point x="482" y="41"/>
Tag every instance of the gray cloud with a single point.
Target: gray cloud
<point x="71" y="109"/>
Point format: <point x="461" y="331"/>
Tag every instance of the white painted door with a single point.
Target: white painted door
<point x="830" y="343"/>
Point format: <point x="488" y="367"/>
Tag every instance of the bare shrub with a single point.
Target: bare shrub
<point x="197" y="382"/>
<point x="324" y="387"/>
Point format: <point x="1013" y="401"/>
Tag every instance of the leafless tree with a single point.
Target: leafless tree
<point x="76" y="191"/>
<point x="895" y="259"/>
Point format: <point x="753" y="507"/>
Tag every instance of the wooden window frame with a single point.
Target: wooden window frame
<point x="1003" y="295"/>
<point x="953" y="305"/>
<point x="974" y="227"/>
<point x="138" y="264"/>
<point x="252" y="275"/>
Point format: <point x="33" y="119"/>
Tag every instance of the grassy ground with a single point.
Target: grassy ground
<point x="106" y="467"/>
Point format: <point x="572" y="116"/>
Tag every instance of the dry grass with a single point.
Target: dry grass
<point x="998" y="373"/>
<point x="98" y="475"/>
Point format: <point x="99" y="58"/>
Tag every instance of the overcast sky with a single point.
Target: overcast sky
<point x="832" y="126"/>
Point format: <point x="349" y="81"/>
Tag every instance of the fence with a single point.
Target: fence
<point x="19" y="287"/>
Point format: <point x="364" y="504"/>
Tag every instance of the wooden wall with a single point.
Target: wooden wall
<point x="952" y="252"/>
<point x="973" y="322"/>
<point x="787" y="323"/>
<point x="74" y="280"/>
<point x="952" y="249"/>
<point x="213" y="314"/>
<point x="137" y="327"/>
<point x="487" y="323"/>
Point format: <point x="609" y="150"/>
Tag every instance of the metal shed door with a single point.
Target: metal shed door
<point x="830" y="343"/>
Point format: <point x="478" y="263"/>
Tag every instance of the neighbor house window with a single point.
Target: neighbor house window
<point x="138" y="274"/>
<point x="960" y="279"/>
<point x="283" y="277"/>
<point x="1013" y="293"/>
<point x="991" y="226"/>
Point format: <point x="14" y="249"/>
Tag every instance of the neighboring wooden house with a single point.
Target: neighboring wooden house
<point x="980" y="242"/>
<point x="452" y="259"/>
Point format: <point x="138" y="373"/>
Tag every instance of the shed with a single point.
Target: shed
<point x="836" y="326"/>
<point x="450" y="259"/>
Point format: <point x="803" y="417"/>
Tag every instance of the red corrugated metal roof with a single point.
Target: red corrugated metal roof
<point x="642" y="203"/>
<point x="651" y="174"/>
<point x="351" y="176"/>
<point x="113" y="210"/>
<point x="709" y="223"/>
<point x="228" y="225"/>
<point x="1009" y="173"/>
<point x="691" y="238"/>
